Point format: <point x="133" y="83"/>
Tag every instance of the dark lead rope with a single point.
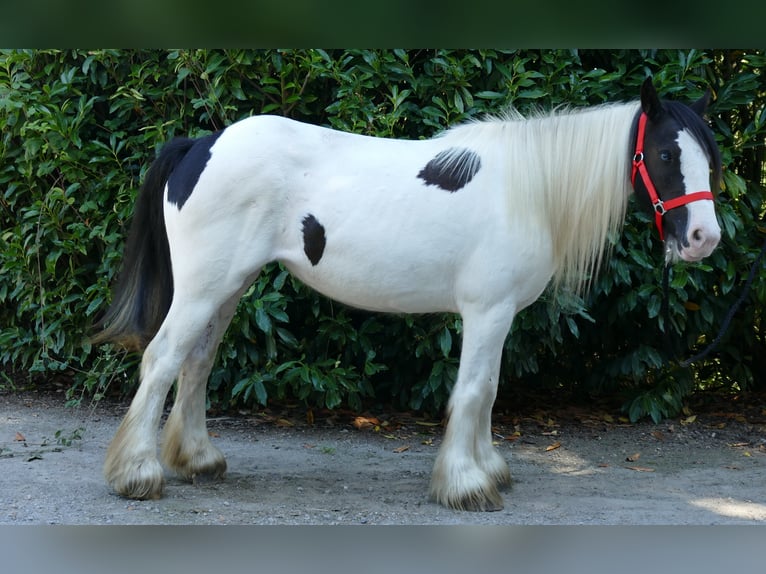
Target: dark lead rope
<point x="724" y="325"/>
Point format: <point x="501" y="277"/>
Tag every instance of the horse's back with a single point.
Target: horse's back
<point x="382" y="224"/>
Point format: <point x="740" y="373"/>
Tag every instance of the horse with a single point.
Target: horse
<point x="477" y="220"/>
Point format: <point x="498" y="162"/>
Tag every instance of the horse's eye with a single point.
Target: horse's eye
<point x="665" y="155"/>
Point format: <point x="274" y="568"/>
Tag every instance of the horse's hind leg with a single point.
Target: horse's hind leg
<point x="186" y="446"/>
<point x="131" y="466"/>
<point x="468" y="469"/>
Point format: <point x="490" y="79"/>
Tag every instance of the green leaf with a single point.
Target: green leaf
<point x="445" y="341"/>
<point x="262" y="319"/>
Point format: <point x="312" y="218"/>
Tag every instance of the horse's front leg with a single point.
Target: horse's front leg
<point x="468" y="469"/>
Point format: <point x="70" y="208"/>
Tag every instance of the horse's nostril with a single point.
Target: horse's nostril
<point x="702" y="238"/>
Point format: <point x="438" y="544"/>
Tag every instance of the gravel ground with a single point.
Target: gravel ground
<point x="589" y="469"/>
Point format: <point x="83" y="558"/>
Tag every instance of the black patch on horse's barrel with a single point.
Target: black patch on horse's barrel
<point x="185" y="177"/>
<point x="314" y="240"/>
<point x="451" y="169"/>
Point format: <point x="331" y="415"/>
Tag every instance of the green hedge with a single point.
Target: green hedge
<point x="79" y="129"/>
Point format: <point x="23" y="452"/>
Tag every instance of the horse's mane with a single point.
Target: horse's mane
<point x="567" y="170"/>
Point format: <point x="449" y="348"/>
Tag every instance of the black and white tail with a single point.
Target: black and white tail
<point x="144" y="289"/>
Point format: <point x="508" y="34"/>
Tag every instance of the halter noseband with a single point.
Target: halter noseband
<point x="660" y="207"/>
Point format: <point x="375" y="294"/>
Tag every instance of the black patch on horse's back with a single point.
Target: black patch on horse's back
<point x="185" y="177"/>
<point x="451" y="169"/>
<point x="314" y="239"/>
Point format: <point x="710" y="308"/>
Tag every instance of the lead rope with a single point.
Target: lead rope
<point x="724" y="325"/>
<point x="670" y="349"/>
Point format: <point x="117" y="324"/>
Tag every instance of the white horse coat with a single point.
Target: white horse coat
<point x="477" y="221"/>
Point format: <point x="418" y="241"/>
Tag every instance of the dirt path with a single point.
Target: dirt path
<point x="591" y="471"/>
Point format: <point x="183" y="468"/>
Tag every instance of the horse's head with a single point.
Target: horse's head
<point x="674" y="154"/>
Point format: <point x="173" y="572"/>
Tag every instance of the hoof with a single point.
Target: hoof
<point x="204" y="464"/>
<point x="141" y="480"/>
<point x="465" y="489"/>
<point x="204" y="474"/>
<point x="486" y="500"/>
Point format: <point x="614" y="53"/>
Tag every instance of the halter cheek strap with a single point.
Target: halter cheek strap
<point x="660" y="207"/>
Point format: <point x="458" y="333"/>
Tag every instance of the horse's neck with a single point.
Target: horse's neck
<point x="582" y="160"/>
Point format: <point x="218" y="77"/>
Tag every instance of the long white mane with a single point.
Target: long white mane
<point x="567" y="170"/>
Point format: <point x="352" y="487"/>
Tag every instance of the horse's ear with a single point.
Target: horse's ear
<point x="650" y="101"/>
<point x="700" y="106"/>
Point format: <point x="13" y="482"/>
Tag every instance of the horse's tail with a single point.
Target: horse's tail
<point x="143" y="293"/>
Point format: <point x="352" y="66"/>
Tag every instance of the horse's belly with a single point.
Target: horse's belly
<point x="379" y="287"/>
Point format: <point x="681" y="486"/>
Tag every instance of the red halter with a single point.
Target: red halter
<point x="660" y="207"/>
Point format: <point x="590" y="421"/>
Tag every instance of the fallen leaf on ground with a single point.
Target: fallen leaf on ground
<point x="553" y="446"/>
<point x="689" y="420"/>
<point x="591" y="421"/>
<point x="640" y="468"/>
<point x="633" y="457"/>
<point x="401" y="449"/>
<point x="658" y="435"/>
<point x="19" y="437"/>
<point x="364" y="423"/>
<point x="427" y="424"/>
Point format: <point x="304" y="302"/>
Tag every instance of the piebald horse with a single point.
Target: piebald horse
<point x="476" y="221"/>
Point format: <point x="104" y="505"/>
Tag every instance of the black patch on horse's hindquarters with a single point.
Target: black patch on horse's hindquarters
<point x="185" y="177"/>
<point x="314" y="240"/>
<point x="451" y="169"/>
